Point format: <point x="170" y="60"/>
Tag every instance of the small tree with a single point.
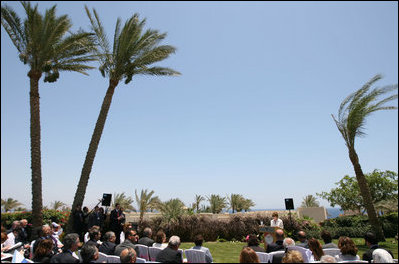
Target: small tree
<point x="217" y="203"/>
<point x="57" y="204"/>
<point x="171" y="210"/>
<point x="124" y="201"/>
<point x="9" y="204"/>
<point x="310" y="201"/>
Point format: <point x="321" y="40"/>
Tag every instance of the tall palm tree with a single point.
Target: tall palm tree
<point x="145" y="201"/>
<point x="124" y="201"/>
<point x="198" y="200"/>
<point x="132" y="53"/>
<point x="9" y="204"/>
<point x="245" y="204"/>
<point x="217" y="203"/>
<point x="42" y="44"/>
<point x="310" y="201"/>
<point x="171" y="210"/>
<point x="57" y="204"/>
<point x="350" y="122"/>
<point x="234" y="200"/>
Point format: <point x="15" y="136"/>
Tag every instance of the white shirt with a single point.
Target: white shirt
<point x="10" y="240"/>
<point x="278" y="223"/>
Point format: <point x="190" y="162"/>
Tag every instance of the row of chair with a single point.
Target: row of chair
<point x="150" y="254"/>
<point x="306" y="254"/>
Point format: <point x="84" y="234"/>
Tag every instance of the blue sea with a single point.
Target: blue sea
<point x="331" y="212"/>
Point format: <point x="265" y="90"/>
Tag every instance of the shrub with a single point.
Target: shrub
<point x="49" y="216"/>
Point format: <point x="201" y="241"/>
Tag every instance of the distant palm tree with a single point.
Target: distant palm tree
<point x="387" y="206"/>
<point x="124" y="201"/>
<point x="310" y="201"/>
<point x="198" y="200"/>
<point x="145" y="201"/>
<point x="41" y="43"/>
<point x="234" y="201"/>
<point x="154" y="203"/>
<point x="217" y="203"/>
<point x="57" y="204"/>
<point x="133" y="52"/>
<point x="351" y="120"/>
<point x="9" y="204"/>
<point x="171" y="210"/>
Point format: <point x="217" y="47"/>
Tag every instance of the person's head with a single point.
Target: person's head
<point x="174" y="242"/>
<point x="147" y="232"/>
<point x="327" y="259"/>
<point x="101" y="210"/>
<point x="198" y="240"/>
<point x="117" y="206"/>
<point x="275" y="216"/>
<point x="46" y="230"/>
<point x="44" y="247"/>
<point x="347" y="246"/>
<point x="55" y="226"/>
<point x="370" y="238"/>
<point x="287" y="242"/>
<point x="89" y="252"/>
<point x="94" y="233"/>
<point x="17" y="230"/>
<point x="292" y="256"/>
<point x="15" y="224"/>
<point x="248" y="255"/>
<point x="23" y="223"/>
<point x="128" y="255"/>
<point x="252" y="240"/>
<point x="279" y="234"/>
<point x="302" y="236"/>
<point x="160" y="237"/>
<point x="4" y="237"/>
<point x="71" y="242"/>
<point x="315" y="247"/>
<point x="326" y="236"/>
<point x="127" y="226"/>
<point x="85" y="209"/>
<point x="96" y="208"/>
<point x="110" y="237"/>
<point x="382" y="256"/>
<point x="131" y="235"/>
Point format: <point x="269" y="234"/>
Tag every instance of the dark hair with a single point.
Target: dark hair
<point x="315" y="247"/>
<point x="326" y="236"/>
<point x="371" y="238"/>
<point x="198" y="240"/>
<point x="94" y="232"/>
<point x="44" y="247"/>
<point x="300" y="235"/>
<point x="4" y="237"/>
<point x="252" y="240"/>
<point x="347" y="246"/>
<point x="248" y="255"/>
<point x="275" y="214"/>
<point x="70" y="240"/>
<point x="160" y="236"/>
<point x="88" y="252"/>
<point x="131" y="255"/>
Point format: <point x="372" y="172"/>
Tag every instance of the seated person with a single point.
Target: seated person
<point x="160" y="240"/>
<point x="44" y="251"/>
<point x="382" y="256"/>
<point x="198" y="246"/>
<point x="146" y="239"/>
<point x="253" y="243"/>
<point x="71" y="243"/>
<point x="108" y="246"/>
<point x="315" y="247"/>
<point x="279" y="242"/>
<point x="327" y="259"/>
<point x="248" y="255"/>
<point x="171" y="253"/>
<point x="302" y="239"/>
<point x="94" y="235"/>
<point x="293" y="256"/>
<point x="326" y="236"/>
<point x="130" y="241"/>
<point x="372" y="242"/>
<point x="128" y="255"/>
<point x="348" y="249"/>
<point x="89" y="253"/>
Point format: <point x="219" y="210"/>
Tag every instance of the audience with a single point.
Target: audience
<point x="12" y="237"/>
<point x="348" y="249"/>
<point x="327" y="259"/>
<point x="279" y="242"/>
<point x="130" y="241"/>
<point x="288" y="242"/>
<point x="253" y="243"/>
<point x="372" y="242"/>
<point x="382" y="256"/>
<point x="89" y="253"/>
<point x="326" y="236"/>
<point x="44" y="251"/>
<point x="56" y="232"/>
<point x="125" y="227"/>
<point x="23" y="234"/>
<point x="302" y="239"/>
<point x="198" y="240"/>
<point x="293" y="256"/>
<point x="248" y="255"/>
<point x="160" y="240"/>
<point x="171" y="253"/>
<point x="128" y="255"/>
<point x="71" y="244"/>
<point x="146" y="239"/>
<point x="94" y="235"/>
<point x="108" y="246"/>
<point x="315" y="247"/>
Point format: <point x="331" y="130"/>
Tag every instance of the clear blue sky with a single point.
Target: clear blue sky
<point x="251" y="113"/>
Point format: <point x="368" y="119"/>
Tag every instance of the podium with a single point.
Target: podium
<point x="269" y="233"/>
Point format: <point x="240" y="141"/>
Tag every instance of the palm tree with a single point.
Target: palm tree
<point x="234" y="201"/>
<point x="9" y="204"/>
<point x="310" y="201"/>
<point x="42" y="44"/>
<point x="154" y="203"/>
<point x="198" y="200"/>
<point x="132" y="54"/>
<point x="124" y="201"/>
<point x="145" y="201"/>
<point x="57" y="204"/>
<point x="351" y="120"/>
<point x="171" y="210"/>
<point x="217" y="203"/>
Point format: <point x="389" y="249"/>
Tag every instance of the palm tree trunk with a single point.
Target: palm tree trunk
<point x="91" y="152"/>
<point x="35" y="149"/>
<point x="366" y="195"/>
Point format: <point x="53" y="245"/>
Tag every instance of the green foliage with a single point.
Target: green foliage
<point x="217" y="203"/>
<point x="383" y="186"/>
<point x="10" y="204"/>
<point x="124" y="201"/>
<point x="172" y="210"/>
<point x="310" y="201"/>
<point x="49" y="216"/>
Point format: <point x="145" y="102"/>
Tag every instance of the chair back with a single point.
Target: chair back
<point x="353" y="261"/>
<point x="113" y="259"/>
<point x="181" y="252"/>
<point x="263" y="257"/>
<point x="274" y="254"/>
<point x="153" y="252"/>
<point x="195" y="256"/>
<point x="102" y="258"/>
<point x="143" y="251"/>
<point x="306" y="253"/>
<point x="331" y="251"/>
<point x="140" y="260"/>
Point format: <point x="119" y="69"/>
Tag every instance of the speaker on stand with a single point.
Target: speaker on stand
<point x="289" y="205"/>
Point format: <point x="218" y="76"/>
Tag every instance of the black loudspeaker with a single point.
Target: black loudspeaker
<point x="106" y="199"/>
<point x="289" y="204"/>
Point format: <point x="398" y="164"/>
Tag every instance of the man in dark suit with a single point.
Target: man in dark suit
<point x="71" y="244"/>
<point x="302" y="239"/>
<point x="108" y="246"/>
<point x="279" y="242"/>
<point x="171" y="253"/>
<point x="372" y="242"/>
<point x="130" y="241"/>
<point x="146" y="239"/>
<point x="117" y="218"/>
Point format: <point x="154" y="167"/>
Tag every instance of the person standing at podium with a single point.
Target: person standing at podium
<point x="276" y="221"/>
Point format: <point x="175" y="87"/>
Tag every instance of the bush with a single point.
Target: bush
<point x="49" y="216"/>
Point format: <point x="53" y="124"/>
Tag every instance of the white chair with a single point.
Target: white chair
<point x="143" y="251"/>
<point x="113" y="259"/>
<point x="306" y="253"/>
<point x="395" y="260"/>
<point x="102" y="258"/>
<point x="181" y="252"/>
<point x="263" y="257"/>
<point x="195" y="256"/>
<point x="274" y="254"/>
<point x="353" y="261"/>
<point x="140" y="260"/>
<point x="331" y="251"/>
<point x="153" y="252"/>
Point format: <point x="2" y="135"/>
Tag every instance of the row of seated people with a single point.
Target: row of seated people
<point x="311" y="249"/>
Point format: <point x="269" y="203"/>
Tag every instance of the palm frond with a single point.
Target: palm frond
<point x="12" y="24"/>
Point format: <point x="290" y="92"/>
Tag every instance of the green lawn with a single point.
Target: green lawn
<point x="229" y="252"/>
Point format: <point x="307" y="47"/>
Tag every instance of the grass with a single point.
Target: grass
<point x="229" y="252"/>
